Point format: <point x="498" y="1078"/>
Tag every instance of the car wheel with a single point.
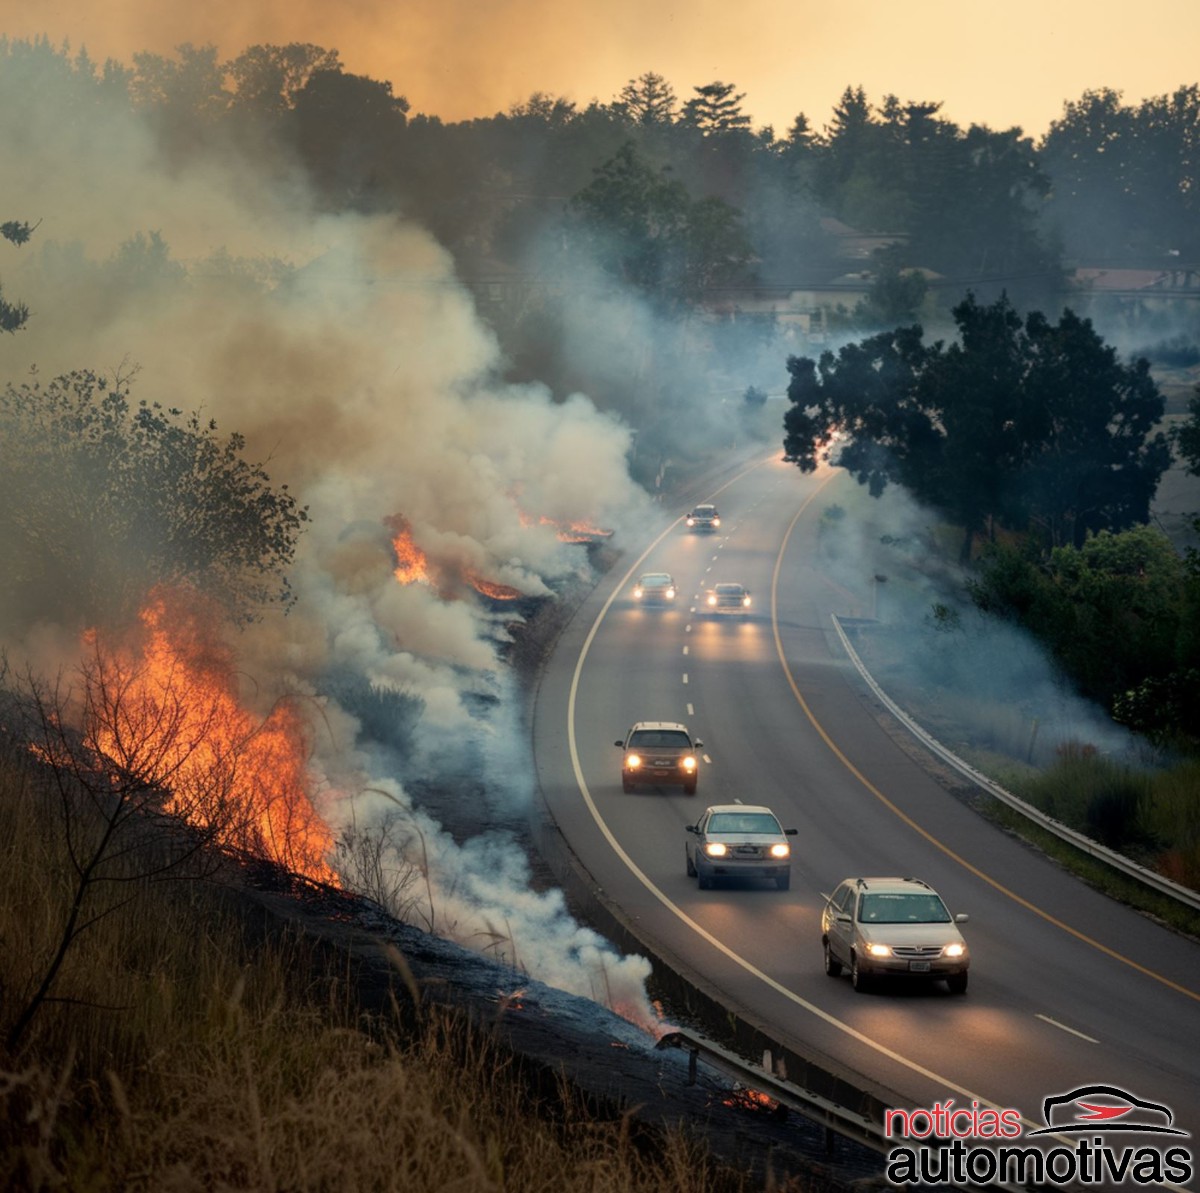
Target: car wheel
<point x="783" y="881"/>
<point x="691" y="870"/>
<point x="858" y="979"/>
<point x="833" y="967"/>
<point x="689" y="788"/>
<point x="957" y="983"/>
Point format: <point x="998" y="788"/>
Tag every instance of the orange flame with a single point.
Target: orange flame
<point x="412" y="566"/>
<point x="489" y="588"/>
<point x="165" y="707"/>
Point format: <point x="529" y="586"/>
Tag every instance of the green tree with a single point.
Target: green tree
<point x="714" y="109"/>
<point x="347" y="130"/>
<point x="267" y="79"/>
<point x="1119" y="613"/>
<point x="645" y="229"/>
<point x="1126" y="179"/>
<point x="1020" y="422"/>
<point x="101" y="499"/>
<point x="13" y="315"/>
<point x="648" y="100"/>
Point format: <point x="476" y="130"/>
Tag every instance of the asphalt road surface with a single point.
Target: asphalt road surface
<point x="1068" y="988"/>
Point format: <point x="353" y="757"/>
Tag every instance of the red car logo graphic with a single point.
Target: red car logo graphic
<point x="1092" y="1115"/>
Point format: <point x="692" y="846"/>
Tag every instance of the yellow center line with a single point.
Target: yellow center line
<point x="908" y="820"/>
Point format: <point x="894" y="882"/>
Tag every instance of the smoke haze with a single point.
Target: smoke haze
<point x="347" y="354"/>
<point x="460" y="59"/>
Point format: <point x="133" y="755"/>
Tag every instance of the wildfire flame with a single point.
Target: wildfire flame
<point x="164" y="705"/>
<point x="412" y="566"/>
<point x="489" y="588"/>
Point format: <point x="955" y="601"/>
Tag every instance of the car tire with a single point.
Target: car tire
<point x="833" y="967"/>
<point x="858" y="979"/>
<point x="783" y="881"/>
<point x="689" y="788"/>
<point x="691" y="870"/>
<point x="957" y="982"/>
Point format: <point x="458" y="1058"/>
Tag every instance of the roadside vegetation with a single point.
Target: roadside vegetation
<point x="191" y="1041"/>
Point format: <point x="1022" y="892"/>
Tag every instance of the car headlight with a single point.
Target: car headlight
<point x="716" y="521"/>
<point x="691" y="521"/>
<point x="637" y="592"/>
<point x="954" y="950"/>
<point x="689" y="763"/>
<point x="746" y="601"/>
<point x="712" y="600"/>
<point x="781" y="850"/>
<point x="715" y="849"/>
<point x="879" y="950"/>
<point x="632" y="762"/>
<point x="670" y="594"/>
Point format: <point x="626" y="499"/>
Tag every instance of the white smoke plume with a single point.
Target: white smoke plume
<point x="346" y="352"/>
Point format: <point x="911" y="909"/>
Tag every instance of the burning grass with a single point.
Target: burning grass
<point x="200" y="1044"/>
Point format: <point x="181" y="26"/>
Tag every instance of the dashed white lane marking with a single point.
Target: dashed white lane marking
<point x="685" y="677"/>
<point x="1064" y="1027"/>
<point x="685" y="650"/>
<point x="706" y="759"/>
<point x="691" y="711"/>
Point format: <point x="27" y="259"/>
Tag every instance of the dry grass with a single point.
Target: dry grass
<point x="189" y="1048"/>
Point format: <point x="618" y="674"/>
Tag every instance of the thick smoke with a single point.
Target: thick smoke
<point x="347" y="354"/>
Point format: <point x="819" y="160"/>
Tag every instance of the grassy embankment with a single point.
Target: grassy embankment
<point x="191" y="1044"/>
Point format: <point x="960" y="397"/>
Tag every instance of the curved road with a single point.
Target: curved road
<point x="1068" y="988"/>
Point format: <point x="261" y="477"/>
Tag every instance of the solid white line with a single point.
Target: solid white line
<point x="1064" y="1027"/>
<point x="674" y="909"/>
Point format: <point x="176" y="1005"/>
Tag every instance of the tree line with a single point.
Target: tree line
<point x="984" y="208"/>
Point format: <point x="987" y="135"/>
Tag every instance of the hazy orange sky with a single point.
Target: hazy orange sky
<point x="1001" y="63"/>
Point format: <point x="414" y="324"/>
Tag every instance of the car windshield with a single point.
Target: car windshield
<point x="656" y="580"/>
<point x="659" y="739"/>
<point x="903" y="909"/>
<point x="729" y="590"/>
<point x="743" y="822"/>
<point x="703" y="511"/>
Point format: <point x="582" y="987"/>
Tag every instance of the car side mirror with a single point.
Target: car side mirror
<point x="691" y="828"/>
<point x="696" y="745"/>
<point x="961" y="918"/>
<point x="619" y="744"/>
<point x="789" y="832"/>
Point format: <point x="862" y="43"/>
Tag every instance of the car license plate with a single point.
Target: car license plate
<point x="918" y="967"/>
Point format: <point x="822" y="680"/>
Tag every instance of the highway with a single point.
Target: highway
<point x="1068" y="988"/>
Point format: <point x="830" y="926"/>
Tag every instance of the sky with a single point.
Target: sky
<point x="999" y="64"/>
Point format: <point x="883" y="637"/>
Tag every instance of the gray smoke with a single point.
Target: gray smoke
<point x="353" y="361"/>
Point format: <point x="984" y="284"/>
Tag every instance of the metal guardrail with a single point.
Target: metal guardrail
<point x="1149" y="878"/>
<point x="834" y="1118"/>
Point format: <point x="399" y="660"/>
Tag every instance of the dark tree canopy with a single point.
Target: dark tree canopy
<point x="1020" y="423"/>
<point x="647" y="230"/>
<point x="100" y="500"/>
